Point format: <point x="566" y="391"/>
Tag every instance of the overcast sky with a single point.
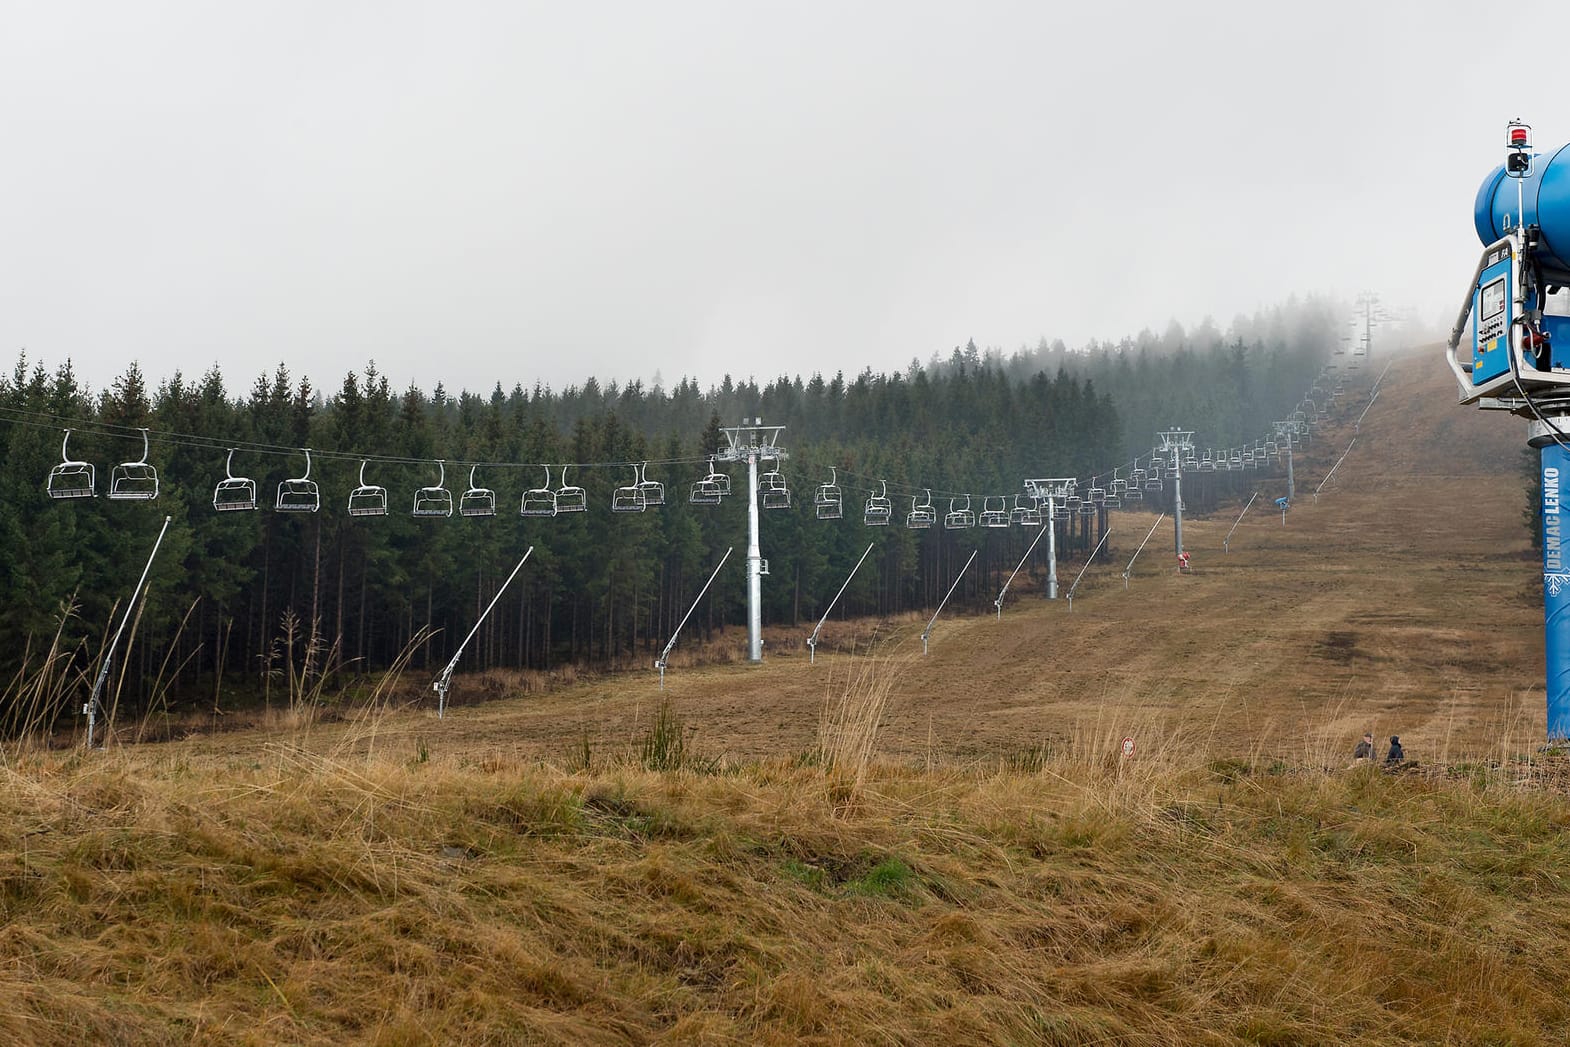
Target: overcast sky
<point x="513" y="192"/>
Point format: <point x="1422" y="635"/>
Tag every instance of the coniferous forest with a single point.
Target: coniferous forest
<point x="235" y="599"/>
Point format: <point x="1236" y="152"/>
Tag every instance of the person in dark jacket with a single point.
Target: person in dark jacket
<point x="1396" y="755"/>
<point x="1364" y="750"/>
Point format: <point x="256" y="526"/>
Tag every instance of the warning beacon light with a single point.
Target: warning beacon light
<point x="1518" y="140"/>
<point x="1510" y="346"/>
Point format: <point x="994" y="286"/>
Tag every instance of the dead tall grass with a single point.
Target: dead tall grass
<point x="312" y="895"/>
<point x="854" y="707"/>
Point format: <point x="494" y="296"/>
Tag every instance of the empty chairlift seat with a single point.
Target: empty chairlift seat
<point x="299" y="494"/>
<point x="70" y="479"/>
<point x="994" y="511"/>
<point x="922" y="515"/>
<point x="367" y="499"/>
<point x="435" y="501"/>
<point x="711" y="489"/>
<point x="960" y="514"/>
<point x="134" y="481"/>
<point x="629" y="499"/>
<point x="653" y="491"/>
<point x="569" y="497"/>
<point x="542" y="501"/>
<point x="878" y="509"/>
<point x="827" y="502"/>
<point x="1026" y="513"/>
<point x="234" y="492"/>
<point x="772" y="490"/>
<point x="478" y="501"/>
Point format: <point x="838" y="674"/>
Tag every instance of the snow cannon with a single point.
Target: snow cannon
<point x="1510" y="346"/>
<point x="1510" y="351"/>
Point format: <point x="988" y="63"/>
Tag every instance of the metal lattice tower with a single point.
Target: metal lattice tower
<point x="1178" y="441"/>
<point x="751" y="443"/>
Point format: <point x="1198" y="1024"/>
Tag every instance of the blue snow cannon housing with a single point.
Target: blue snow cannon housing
<point x="1545" y="203"/>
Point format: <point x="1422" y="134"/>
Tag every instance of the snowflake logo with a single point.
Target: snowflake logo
<point x="1555" y="582"/>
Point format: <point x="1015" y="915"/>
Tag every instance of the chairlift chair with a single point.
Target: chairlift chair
<point x="569" y="498"/>
<point x="827" y="503"/>
<point x="922" y="515"/>
<point x="233" y="492"/>
<point x="299" y="494"/>
<point x="629" y="499"/>
<point x="1072" y="503"/>
<point x="1172" y="471"/>
<point x="1026" y="515"/>
<point x="994" y="511"/>
<point x="1061" y="511"/>
<point x="772" y="490"/>
<point x="434" y="501"/>
<point x="1234" y="460"/>
<point x="653" y="490"/>
<point x="1134" y="493"/>
<point x="878" y="509"/>
<point x="1153" y="480"/>
<point x="711" y="489"/>
<point x="70" y="479"/>
<point x="367" y="499"/>
<point x="479" y="501"/>
<point x="705" y="492"/>
<point x="1116" y="486"/>
<point x="134" y="481"/>
<point x="959" y="516"/>
<point x="721" y="480"/>
<point x="1136" y="478"/>
<point x="544" y="500"/>
<point x="1207" y="464"/>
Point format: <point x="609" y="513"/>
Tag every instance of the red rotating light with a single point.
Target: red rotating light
<point x="1518" y="135"/>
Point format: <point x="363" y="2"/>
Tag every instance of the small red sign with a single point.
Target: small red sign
<point x="1128" y="747"/>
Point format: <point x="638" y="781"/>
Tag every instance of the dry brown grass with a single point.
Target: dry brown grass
<point x="881" y="848"/>
<point x="307" y="896"/>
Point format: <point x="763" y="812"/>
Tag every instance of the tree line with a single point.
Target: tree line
<point x="601" y="588"/>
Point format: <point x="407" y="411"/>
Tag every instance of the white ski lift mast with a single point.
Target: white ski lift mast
<point x="749" y="443"/>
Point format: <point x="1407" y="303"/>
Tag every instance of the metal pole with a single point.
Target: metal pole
<point x="1359" y="426"/>
<point x="444" y="680"/>
<point x="659" y="663"/>
<point x="91" y="709"/>
<point x="1333" y="469"/>
<point x="1554" y="462"/>
<point x="1052" y="550"/>
<point x="928" y="630"/>
<point x="1127" y="570"/>
<point x="1177" y="501"/>
<point x="998" y="603"/>
<point x="1227" y="541"/>
<point x="754" y="566"/>
<point x="1082" y="570"/>
<point x="812" y="641"/>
